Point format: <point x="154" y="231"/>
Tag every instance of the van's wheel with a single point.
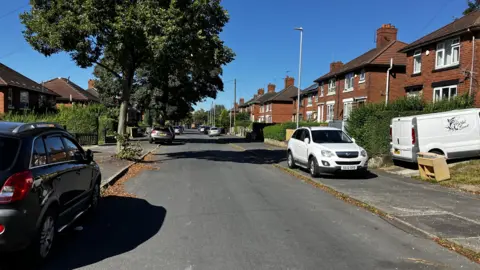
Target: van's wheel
<point x="291" y="161"/>
<point x="42" y="244"/>
<point x="436" y="151"/>
<point x="313" y="167"/>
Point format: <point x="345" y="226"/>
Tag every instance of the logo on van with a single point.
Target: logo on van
<point x="455" y="124"/>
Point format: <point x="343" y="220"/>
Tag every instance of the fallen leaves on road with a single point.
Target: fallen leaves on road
<point x="118" y="188"/>
<point x="472" y="255"/>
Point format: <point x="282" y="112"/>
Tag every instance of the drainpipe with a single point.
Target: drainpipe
<point x="387" y="87"/>
<point x="471" y="68"/>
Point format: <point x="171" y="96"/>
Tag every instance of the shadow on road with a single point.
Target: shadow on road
<point x="219" y="140"/>
<point x="267" y="156"/>
<point x="120" y="225"/>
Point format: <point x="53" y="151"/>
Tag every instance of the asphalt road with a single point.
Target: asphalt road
<point x="210" y="206"/>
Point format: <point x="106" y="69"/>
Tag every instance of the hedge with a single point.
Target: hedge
<point x="370" y="124"/>
<point x="279" y="131"/>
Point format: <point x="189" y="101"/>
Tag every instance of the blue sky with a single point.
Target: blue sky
<point x="261" y="34"/>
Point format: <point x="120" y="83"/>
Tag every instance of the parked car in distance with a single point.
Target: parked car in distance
<point x="205" y="130"/>
<point x="325" y="150"/>
<point x="161" y="135"/>
<point x="177" y="130"/>
<point x="454" y="134"/>
<point x="214" y="131"/>
<point x="182" y="129"/>
<point x="47" y="182"/>
<point x="201" y="129"/>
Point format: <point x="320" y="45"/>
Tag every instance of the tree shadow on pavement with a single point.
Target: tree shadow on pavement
<point x="258" y="156"/>
<point x="121" y="224"/>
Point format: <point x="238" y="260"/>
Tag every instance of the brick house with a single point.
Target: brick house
<point x="277" y="108"/>
<point x="70" y="92"/>
<point x="364" y="79"/>
<point x="263" y="109"/>
<point x="18" y="92"/>
<point x="440" y="65"/>
<point x="308" y="104"/>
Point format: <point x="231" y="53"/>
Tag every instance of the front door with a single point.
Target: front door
<point x="320" y="113"/>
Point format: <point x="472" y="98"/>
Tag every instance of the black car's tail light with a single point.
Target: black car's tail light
<point x="16" y="187"/>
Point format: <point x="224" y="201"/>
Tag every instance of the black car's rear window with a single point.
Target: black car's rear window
<point x="10" y="146"/>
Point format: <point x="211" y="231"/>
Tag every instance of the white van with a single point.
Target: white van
<point x="455" y="134"/>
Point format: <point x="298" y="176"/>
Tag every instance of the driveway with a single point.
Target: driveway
<point x="210" y="206"/>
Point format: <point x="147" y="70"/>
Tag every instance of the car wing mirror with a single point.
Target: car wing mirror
<point x="306" y="140"/>
<point x="89" y="155"/>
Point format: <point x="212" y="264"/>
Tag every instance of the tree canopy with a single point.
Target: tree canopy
<point x="472" y="6"/>
<point x="174" y="43"/>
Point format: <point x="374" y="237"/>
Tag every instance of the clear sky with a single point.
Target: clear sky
<point x="261" y="34"/>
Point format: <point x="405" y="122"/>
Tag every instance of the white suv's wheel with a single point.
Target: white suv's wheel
<point x="313" y="167"/>
<point x="291" y="161"/>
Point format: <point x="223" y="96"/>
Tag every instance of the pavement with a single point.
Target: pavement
<point x="429" y="209"/>
<point x="109" y="166"/>
<point x="210" y="206"/>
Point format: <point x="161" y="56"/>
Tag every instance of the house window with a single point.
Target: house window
<point x="24" y="100"/>
<point x="347" y="109"/>
<point x="349" y="82"/>
<point x="269" y="119"/>
<point x="448" y="53"/>
<point x="309" y="101"/>
<point x="314" y="98"/>
<point x="309" y="115"/>
<point x="321" y="89"/>
<point x="261" y="109"/>
<point x="330" y="112"/>
<point x="414" y="92"/>
<point x="445" y="92"/>
<point x="10" y="98"/>
<point x="417" y="61"/>
<point x="331" y="86"/>
<point x="362" y="76"/>
<point x="42" y="100"/>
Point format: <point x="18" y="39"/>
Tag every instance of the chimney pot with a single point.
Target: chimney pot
<point x="261" y="91"/>
<point x="336" y="66"/>
<point x="271" y="88"/>
<point x="91" y="84"/>
<point x="242" y="100"/>
<point x="386" y="34"/>
<point x="289" y="81"/>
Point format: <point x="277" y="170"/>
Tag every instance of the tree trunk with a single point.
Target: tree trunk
<point x="122" y="117"/>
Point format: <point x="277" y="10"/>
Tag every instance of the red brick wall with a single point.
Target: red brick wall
<point x="3" y="101"/>
<point x="281" y="112"/>
<point x="255" y="111"/>
<point x="429" y="75"/>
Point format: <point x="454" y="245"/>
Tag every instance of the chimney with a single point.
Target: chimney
<point x="386" y="34"/>
<point x="336" y="66"/>
<point x="289" y="81"/>
<point x="91" y="84"/>
<point x="242" y="101"/>
<point x="271" y="88"/>
<point x="255" y="96"/>
<point x="261" y="91"/>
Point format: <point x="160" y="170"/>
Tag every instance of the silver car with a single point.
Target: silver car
<point x="161" y="135"/>
<point x="214" y="131"/>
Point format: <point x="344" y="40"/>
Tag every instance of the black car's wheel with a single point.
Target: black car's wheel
<point x="313" y="167"/>
<point x="42" y="244"/>
<point x="291" y="161"/>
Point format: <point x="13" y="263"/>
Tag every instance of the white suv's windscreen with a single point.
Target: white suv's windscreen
<point x="330" y="136"/>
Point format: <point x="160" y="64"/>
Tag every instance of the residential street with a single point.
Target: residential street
<point x="211" y="206"/>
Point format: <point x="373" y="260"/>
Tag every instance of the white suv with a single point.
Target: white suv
<point x="325" y="150"/>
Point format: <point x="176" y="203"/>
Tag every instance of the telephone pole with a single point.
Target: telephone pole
<point x="234" y="100"/>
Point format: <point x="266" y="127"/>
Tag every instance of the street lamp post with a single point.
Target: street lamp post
<point x="299" y="72"/>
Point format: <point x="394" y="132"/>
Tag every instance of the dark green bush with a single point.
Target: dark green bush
<point x="370" y="124"/>
<point x="279" y="131"/>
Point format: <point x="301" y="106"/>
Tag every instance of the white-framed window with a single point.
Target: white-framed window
<point x="347" y="109"/>
<point x="362" y="76"/>
<point x="320" y="113"/>
<point x="314" y="98"/>
<point x="330" y="111"/>
<point x="349" y="82"/>
<point x="331" y="86"/>
<point x="262" y="108"/>
<point x="444" y="92"/>
<point x="448" y="53"/>
<point x="417" y="61"/>
<point x="309" y="101"/>
<point x="10" y="98"/>
<point x="269" y="119"/>
<point x="24" y="100"/>
<point x="321" y="89"/>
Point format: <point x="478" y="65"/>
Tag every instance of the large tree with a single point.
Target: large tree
<point x="472" y="6"/>
<point x="170" y="38"/>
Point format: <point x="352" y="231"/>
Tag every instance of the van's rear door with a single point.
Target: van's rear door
<point x="402" y="141"/>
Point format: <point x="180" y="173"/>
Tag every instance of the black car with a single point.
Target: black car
<point x="47" y="182"/>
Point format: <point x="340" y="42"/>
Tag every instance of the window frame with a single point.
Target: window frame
<point x="309" y="101"/>
<point x="442" y="47"/>
<point x="332" y="105"/>
<point x="321" y="89"/>
<point x="332" y="84"/>
<point x="362" y="74"/>
<point x="10" y="98"/>
<point x="346" y="113"/>
<point x="417" y="54"/>
<point x="349" y="77"/>
<point x="441" y="88"/>
<point x="79" y="148"/>
<point x="48" y="153"/>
